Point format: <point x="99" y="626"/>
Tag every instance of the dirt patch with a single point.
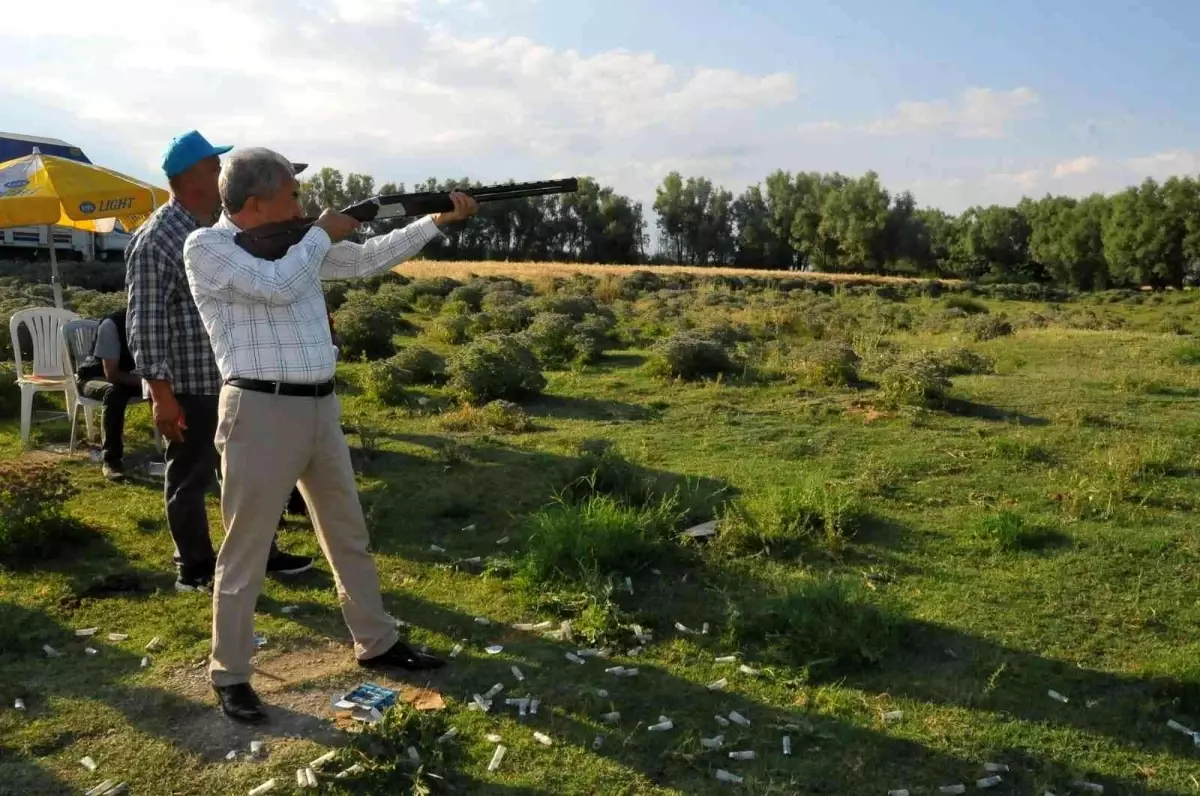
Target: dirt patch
<point x="869" y="414"/>
<point x="298" y="687"/>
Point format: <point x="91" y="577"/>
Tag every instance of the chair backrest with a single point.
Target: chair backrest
<point x="44" y="325"/>
<point x="78" y="341"/>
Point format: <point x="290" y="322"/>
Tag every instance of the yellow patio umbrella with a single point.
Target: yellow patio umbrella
<point x="46" y="190"/>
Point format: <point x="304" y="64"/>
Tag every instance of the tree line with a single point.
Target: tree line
<point x="1145" y="235"/>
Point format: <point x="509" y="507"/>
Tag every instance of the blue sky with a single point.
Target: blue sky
<point x="962" y="103"/>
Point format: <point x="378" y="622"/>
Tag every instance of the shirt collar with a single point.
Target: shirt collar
<point x="178" y="207"/>
<point x="225" y="222"/>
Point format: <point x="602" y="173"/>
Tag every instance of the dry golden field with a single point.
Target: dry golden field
<point x="461" y="269"/>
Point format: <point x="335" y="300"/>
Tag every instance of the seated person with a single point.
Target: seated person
<point x="107" y="376"/>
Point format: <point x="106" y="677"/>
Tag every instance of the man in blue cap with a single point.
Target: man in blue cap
<point x="172" y="353"/>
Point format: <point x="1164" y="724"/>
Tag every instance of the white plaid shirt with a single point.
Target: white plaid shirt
<point x="267" y="319"/>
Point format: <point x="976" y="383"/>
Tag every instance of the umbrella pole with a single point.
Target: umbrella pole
<point x="58" y="298"/>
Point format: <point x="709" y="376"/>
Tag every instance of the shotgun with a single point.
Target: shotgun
<point x="272" y="241"/>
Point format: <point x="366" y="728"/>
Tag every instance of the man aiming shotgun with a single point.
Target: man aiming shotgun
<point x="279" y="421"/>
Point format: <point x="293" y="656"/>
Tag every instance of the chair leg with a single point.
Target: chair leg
<point x="74" y="425"/>
<point x="88" y="415"/>
<point x="26" y="412"/>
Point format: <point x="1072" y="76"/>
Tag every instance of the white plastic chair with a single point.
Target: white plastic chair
<point x="49" y="373"/>
<point x="79" y="341"/>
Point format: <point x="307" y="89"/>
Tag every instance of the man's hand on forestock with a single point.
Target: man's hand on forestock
<point x="338" y="226"/>
<point x="464" y="207"/>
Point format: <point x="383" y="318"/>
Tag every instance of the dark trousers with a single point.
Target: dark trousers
<point x="192" y="467"/>
<point x="115" y="398"/>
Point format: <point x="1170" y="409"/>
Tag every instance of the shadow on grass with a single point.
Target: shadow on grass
<point x="965" y="408"/>
<point x="569" y="408"/>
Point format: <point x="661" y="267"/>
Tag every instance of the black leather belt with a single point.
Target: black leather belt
<point x="283" y="388"/>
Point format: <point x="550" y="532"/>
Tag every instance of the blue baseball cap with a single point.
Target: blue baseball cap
<point x="187" y="150"/>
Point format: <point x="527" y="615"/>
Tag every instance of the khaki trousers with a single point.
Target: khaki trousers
<point x="269" y="443"/>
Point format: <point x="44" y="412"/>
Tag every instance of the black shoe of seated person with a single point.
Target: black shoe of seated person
<point x="240" y="703"/>
<point x="402" y="656"/>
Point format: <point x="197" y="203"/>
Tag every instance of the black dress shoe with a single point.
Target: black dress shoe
<point x="402" y="656"/>
<point x="288" y="564"/>
<point x="240" y="703"/>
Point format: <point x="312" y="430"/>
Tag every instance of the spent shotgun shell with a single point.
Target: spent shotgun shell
<point x="717" y="685"/>
<point x="727" y="659"/>
<point x="325" y="758"/>
<point x="724" y="722"/>
<point x="612" y="717"/>
<point x="1057" y="696"/>
<point x="266" y="787"/>
<point x="715" y="742"/>
<point x="494" y="690"/>
<point x="746" y="755"/>
<point x="724" y="776"/>
<point x="995" y="768"/>
<point x="517" y="673"/>
<point x="662" y="726"/>
<point x="738" y="718"/>
<point x="86" y="631"/>
<point x="88" y="763"/>
<point x="543" y="739"/>
<point x="573" y="658"/>
<point x="988" y="782"/>
<point x="597" y="742"/>
<point x="117" y="636"/>
<point x="497" y="756"/>
<point x="952" y="789"/>
<point x="19" y="703"/>
<point x="787" y="746"/>
<point x="414" y="755"/>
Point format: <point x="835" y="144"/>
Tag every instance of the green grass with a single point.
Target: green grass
<point x="953" y="553"/>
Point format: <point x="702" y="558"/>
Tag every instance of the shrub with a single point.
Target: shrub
<point x="10" y="393"/>
<point x="497" y="366"/>
<point x="783" y="523"/>
<point x="592" y="539"/>
<point x="593" y="336"/>
<point x="725" y="333"/>
<point x="437" y="286"/>
<point x="33" y="496"/>
<point x="504" y="417"/>
<point x="471" y="295"/>
<point x="455" y="307"/>
<point x="394" y="298"/>
<point x="574" y="306"/>
<point x="915" y="381"/>
<point x="987" y="327"/>
<point x="501" y="296"/>
<point x="689" y="358"/>
<point x="964" y="362"/>
<point x="509" y="319"/>
<point x="384" y="382"/>
<point x="828" y="363"/>
<point x="603" y="470"/>
<point x="90" y="304"/>
<point x="551" y="337"/>
<point x="826" y="619"/>
<point x="366" y="327"/>
<point x="450" y="329"/>
<point x="965" y="304"/>
<point x="422" y="365"/>
<point x="1007" y="531"/>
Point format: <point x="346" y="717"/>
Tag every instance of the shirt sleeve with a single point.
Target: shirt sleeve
<point x="108" y="341"/>
<point x="218" y="267"/>
<point x="149" y="291"/>
<point x="348" y="260"/>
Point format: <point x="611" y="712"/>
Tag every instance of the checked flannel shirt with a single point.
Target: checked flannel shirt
<point x="166" y="335"/>
<point x="267" y="318"/>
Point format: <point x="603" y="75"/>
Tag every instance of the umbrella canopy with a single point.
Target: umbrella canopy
<point x="52" y="191"/>
<point x="48" y="190"/>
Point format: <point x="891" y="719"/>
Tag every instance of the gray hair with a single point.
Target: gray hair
<point x="255" y="171"/>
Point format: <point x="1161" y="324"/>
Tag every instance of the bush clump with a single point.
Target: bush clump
<point x="384" y="382"/>
<point x="574" y="306"/>
<point x="33" y="497"/>
<point x="421" y="365"/>
<point x="393" y="297"/>
<point x="689" y="358"/>
<point x="987" y="327"/>
<point x="452" y="329"/>
<point x="504" y="417"/>
<point x="508" y="319"/>
<point x="551" y="337"/>
<point x="786" y="522"/>
<point x="593" y="336"/>
<point x="964" y="362"/>
<point x="495" y="367"/>
<point x="965" y="304"/>
<point x="1007" y="532"/>
<point x="819" y="618"/>
<point x="366" y="327"/>
<point x="471" y="295"/>
<point x="586" y="541"/>
<point x="828" y="363"/>
<point x="916" y="381"/>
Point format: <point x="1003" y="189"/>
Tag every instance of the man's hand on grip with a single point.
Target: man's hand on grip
<point x="338" y="226"/>
<point x="168" y="417"/>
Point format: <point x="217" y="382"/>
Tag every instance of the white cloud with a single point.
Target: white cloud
<point x="979" y="113"/>
<point x="1080" y="165"/>
<point x="1162" y="165"/>
<point x="1026" y="180"/>
<point x="375" y="86"/>
<point x="816" y="128"/>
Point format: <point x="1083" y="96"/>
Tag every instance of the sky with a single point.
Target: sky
<point x="962" y="103"/>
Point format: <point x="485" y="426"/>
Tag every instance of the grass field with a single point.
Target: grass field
<point x="904" y="574"/>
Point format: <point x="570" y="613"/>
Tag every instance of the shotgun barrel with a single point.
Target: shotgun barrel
<point x="272" y="241"/>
